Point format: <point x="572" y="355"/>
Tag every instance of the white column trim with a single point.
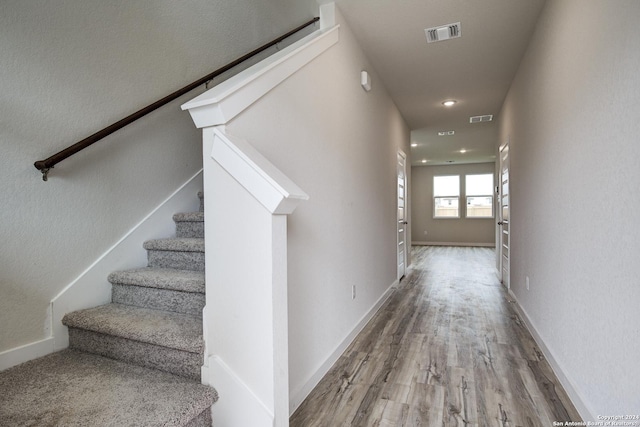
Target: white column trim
<point x="251" y="292"/>
<point x="273" y="189"/>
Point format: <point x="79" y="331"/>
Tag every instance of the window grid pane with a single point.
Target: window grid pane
<point x="446" y="207"/>
<point x="479" y="195"/>
<point x="446" y="185"/>
<point x="479" y="185"/>
<point x="446" y="196"/>
<point x="479" y="207"/>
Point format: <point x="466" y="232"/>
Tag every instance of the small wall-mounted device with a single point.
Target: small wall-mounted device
<point x="365" y="81"/>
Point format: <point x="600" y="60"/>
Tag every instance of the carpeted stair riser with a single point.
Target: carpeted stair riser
<point x="174" y="361"/>
<point x="179" y="260"/>
<point x="189" y="224"/>
<point x="202" y="420"/>
<point x="190" y="229"/>
<point x="190" y="303"/>
<point x="178" y="253"/>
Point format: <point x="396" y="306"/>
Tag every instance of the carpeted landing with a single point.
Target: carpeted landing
<point x="133" y="362"/>
<point x="72" y="388"/>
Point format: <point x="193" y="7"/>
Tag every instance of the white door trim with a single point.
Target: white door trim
<point x="502" y="230"/>
<point x="401" y="214"/>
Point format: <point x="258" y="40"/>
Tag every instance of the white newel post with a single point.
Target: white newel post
<point x="247" y="201"/>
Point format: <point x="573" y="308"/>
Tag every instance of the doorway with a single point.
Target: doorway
<point x="402" y="215"/>
<point x="504" y="231"/>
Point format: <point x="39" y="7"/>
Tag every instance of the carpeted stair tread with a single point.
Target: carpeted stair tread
<point x="162" y="328"/>
<point x="176" y="244"/>
<point x="162" y="278"/>
<point x="189" y="217"/>
<point x="75" y="389"/>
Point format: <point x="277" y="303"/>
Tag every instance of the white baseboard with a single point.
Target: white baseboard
<point x="91" y="288"/>
<point x="298" y="396"/>
<point x="567" y="384"/>
<point x="18" y="355"/>
<point x="480" y="245"/>
<point x="238" y="405"/>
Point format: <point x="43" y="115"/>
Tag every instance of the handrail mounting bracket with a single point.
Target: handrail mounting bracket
<point x="45" y="173"/>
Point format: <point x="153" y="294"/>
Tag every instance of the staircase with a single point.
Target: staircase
<point x="135" y="361"/>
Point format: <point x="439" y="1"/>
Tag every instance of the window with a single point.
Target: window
<point x="446" y="196"/>
<point x="479" y="195"/>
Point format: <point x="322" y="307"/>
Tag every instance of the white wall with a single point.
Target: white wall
<point x="71" y="67"/>
<point x="339" y="144"/>
<point x="426" y="229"/>
<point x="572" y="120"/>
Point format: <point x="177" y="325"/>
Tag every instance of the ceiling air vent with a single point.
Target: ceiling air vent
<point x="479" y="119"/>
<point x="445" y="32"/>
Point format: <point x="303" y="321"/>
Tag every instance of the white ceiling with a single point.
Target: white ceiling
<point x="475" y="69"/>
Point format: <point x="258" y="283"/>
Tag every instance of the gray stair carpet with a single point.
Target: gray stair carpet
<point x="134" y="362"/>
<point x="189" y="224"/>
<point x="184" y="253"/>
<point x="168" y="289"/>
<point x="71" y="388"/>
<point x="164" y="340"/>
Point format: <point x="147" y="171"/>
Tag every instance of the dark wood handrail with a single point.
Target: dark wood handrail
<point x="45" y="165"/>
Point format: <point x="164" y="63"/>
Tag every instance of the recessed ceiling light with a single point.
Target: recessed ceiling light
<point x="449" y="103"/>
<point x="424" y="160"/>
<point x="446" y="133"/>
<point x="463" y="151"/>
<point x="414" y="144"/>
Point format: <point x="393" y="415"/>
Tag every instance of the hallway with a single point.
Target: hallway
<point x="447" y="349"/>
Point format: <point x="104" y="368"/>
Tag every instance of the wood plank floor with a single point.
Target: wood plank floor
<point x="447" y="349"/>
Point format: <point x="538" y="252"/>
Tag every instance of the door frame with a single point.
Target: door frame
<point x="500" y="228"/>
<point x="401" y="244"/>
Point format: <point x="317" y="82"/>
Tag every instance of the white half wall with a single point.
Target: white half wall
<point x="245" y="320"/>
<point x="339" y="143"/>
<point x="571" y="117"/>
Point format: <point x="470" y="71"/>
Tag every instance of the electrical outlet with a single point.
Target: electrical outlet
<point x="353" y="292"/>
<point x="527" y="282"/>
